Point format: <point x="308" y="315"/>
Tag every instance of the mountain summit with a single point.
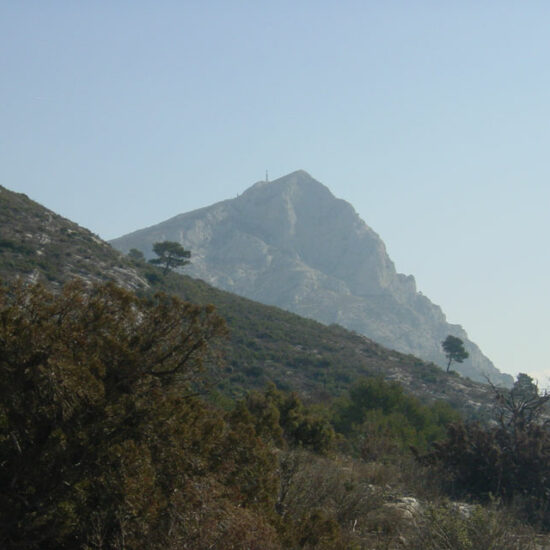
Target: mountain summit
<point x="292" y="244"/>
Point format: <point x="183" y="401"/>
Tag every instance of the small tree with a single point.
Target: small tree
<point x="522" y="406"/>
<point x="454" y="350"/>
<point x="170" y="254"/>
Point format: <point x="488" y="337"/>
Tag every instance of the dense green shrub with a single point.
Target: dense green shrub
<point x="510" y="461"/>
<point x="379" y="418"/>
<point x="103" y="444"/>
<point x="281" y="417"/>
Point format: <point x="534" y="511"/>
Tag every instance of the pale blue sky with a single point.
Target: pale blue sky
<point x="431" y="118"/>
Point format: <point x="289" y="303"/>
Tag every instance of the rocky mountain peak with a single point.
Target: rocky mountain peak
<point x="301" y="215"/>
<point x="291" y="243"/>
<point x="295" y="185"/>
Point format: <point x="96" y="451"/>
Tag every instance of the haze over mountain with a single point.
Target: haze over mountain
<point x="267" y="344"/>
<point x="70" y="344"/>
<point x="292" y="244"/>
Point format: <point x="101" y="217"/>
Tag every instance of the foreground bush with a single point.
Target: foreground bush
<point x="102" y="442"/>
<point x="379" y="419"/>
<point x="509" y="461"/>
<point x="447" y="527"/>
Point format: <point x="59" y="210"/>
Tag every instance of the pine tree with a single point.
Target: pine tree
<point x="170" y="255"/>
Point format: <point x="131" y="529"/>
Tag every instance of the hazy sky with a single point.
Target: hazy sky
<point x="431" y="118"/>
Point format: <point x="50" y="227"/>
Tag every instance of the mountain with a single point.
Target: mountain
<point x="266" y="343"/>
<point x="267" y="442"/>
<point x="292" y="244"/>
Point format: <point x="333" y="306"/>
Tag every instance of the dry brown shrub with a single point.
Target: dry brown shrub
<point x="445" y="527"/>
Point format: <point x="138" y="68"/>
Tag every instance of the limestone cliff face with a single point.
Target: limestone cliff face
<point x="292" y="244"/>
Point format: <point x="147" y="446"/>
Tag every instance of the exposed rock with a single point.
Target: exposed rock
<point x="406" y="508"/>
<point x="292" y="244"/>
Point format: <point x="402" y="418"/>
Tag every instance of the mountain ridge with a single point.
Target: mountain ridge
<point x="267" y="344"/>
<point x="291" y="243"/>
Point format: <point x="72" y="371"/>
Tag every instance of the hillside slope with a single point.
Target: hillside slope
<point x="266" y="343"/>
<point x="292" y="244"/>
<point x="36" y="243"/>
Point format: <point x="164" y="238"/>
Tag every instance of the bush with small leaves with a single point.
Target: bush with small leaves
<point x="446" y="527"/>
<point x="103" y="443"/>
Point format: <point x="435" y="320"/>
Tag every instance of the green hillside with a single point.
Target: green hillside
<point x="270" y="344"/>
<point x="266" y="343"/>
<point x="120" y="427"/>
<point x="37" y="244"/>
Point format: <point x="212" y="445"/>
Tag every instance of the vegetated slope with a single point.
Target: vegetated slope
<point x="319" y="361"/>
<point x="266" y="343"/>
<point x="292" y="244"/>
<point x="36" y="243"/>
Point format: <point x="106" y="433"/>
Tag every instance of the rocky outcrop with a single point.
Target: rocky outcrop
<point x="292" y="244"/>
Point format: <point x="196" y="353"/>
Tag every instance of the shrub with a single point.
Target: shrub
<point x="102" y="442"/>
<point x="446" y="527"/>
<point x="378" y="417"/>
<point x="510" y="461"/>
<point x="281" y="416"/>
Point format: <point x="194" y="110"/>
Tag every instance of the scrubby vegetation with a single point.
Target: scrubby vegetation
<point x="108" y="440"/>
<point x="36" y="243"/>
<point x="140" y="420"/>
<point x="266" y="344"/>
<point x="509" y="460"/>
<point x="379" y="419"/>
